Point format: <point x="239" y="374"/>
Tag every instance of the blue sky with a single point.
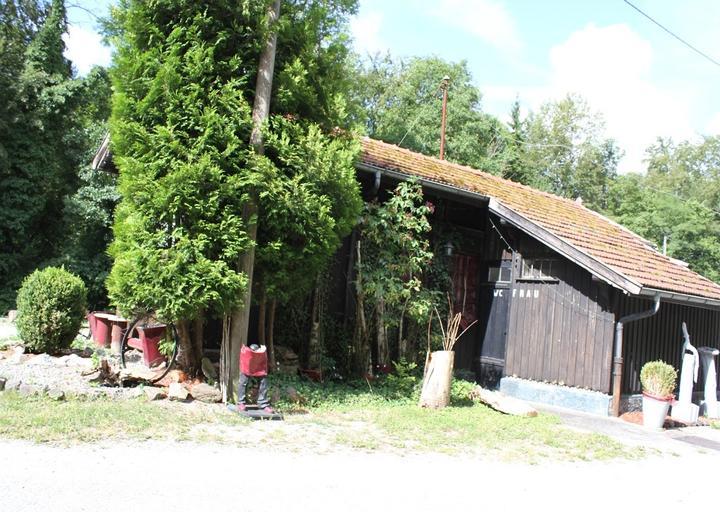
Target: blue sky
<point x="643" y="81"/>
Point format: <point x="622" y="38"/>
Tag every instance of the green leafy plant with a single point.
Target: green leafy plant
<point x="51" y="305"/>
<point x="658" y="378"/>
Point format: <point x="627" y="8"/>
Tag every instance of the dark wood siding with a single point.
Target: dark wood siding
<point x="559" y="331"/>
<point x="660" y="336"/>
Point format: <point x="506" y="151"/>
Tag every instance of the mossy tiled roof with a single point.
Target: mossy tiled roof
<point x="595" y="235"/>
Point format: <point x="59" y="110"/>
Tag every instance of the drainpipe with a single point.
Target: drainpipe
<point x="618" y="359"/>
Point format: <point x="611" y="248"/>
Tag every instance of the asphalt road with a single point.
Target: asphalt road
<point x="154" y="476"/>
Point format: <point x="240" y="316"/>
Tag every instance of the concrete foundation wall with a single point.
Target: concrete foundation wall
<point x="584" y="400"/>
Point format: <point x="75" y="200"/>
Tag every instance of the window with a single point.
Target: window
<point x="499" y="272"/>
<point x="539" y="269"/>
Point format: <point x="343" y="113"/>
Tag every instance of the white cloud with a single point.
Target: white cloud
<point x="713" y="126"/>
<point x="85" y="49"/>
<point x="485" y="19"/>
<point x="610" y="66"/>
<point x="365" y="29"/>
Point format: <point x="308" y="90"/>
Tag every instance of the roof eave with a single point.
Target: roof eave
<point x="580" y="258"/>
<point x="592" y="265"/>
<point x="683" y="298"/>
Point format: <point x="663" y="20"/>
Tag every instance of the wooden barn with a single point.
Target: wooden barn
<point x="569" y="304"/>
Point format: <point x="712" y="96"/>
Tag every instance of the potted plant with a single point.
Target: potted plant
<point x="658" y="383"/>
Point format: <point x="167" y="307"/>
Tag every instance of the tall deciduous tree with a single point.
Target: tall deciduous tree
<point x="41" y="138"/>
<point x="569" y="153"/>
<point x="402" y="104"/>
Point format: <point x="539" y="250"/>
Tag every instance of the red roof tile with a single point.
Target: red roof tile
<point x="597" y="236"/>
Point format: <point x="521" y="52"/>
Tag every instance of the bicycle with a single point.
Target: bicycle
<point x="150" y="346"/>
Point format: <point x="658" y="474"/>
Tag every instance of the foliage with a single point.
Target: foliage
<point x="41" y="137"/>
<point x="568" y="153"/>
<point x="184" y="83"/>
<point x="402" y="104"/>
<point x="180" y="128"/>
<point x="658" y="378"/>
<point x="51" y="306"/>
<point x="307" y="205"/>
<point x="395" y="249"/>
<point x="88" y="212"/>
<point x="691" y="228"/>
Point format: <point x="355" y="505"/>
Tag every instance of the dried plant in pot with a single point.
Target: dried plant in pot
<point x="658" y="380"/>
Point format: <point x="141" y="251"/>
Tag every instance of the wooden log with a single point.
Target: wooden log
<point x="503" y="403"/>
<point x="438" y="379"/>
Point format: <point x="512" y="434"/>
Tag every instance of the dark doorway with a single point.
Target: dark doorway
<point x="465" y="280"/>
<point x="494" y="300"/>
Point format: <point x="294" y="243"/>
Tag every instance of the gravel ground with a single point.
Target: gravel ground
<point x="43" y="372"/>
<point x="183" y="476"/>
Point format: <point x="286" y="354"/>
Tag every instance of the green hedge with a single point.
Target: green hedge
<point x="51" y="305"/>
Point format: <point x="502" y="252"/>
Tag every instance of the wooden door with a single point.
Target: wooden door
<point x="494" y="302"/>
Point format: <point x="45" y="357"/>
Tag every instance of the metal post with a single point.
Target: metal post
<point x="444" y="86"/>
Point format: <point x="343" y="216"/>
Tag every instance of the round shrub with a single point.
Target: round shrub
<point x="51" y="305"/>
<point x="658" y="378"/>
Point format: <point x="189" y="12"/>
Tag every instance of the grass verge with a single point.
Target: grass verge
<point x="391" y="427"/>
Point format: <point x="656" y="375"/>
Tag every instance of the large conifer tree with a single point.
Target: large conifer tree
<point x="184" y="83"/>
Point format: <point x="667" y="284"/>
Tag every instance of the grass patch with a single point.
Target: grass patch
<point x="478" y="429"/>
<point x="43" y="420"/>
<point x="379" y="416"/>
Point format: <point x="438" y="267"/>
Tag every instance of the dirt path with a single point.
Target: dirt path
<point x="182" y="476"/>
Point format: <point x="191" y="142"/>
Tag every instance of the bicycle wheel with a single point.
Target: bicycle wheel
<point x="150" y="347"/>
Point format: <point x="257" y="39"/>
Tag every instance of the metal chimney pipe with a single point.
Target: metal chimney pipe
<point x="444" y="86"/>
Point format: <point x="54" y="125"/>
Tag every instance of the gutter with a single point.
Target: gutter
<point x="680" y="297"/>
<point x="618" y="359"/>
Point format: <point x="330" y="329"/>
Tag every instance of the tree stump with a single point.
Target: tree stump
<point x="438" y="379"/>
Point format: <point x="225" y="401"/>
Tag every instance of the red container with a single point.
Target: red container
<point x="103" y="326"/>
<point x="91" y="323"/>
<point x="252" y="363"/>
<point x="148" y="343"/>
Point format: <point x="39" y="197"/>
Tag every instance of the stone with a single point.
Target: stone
<point x="206" y="393"/>
<point x="12" y="315"/>
<point x="294" y="396"/>
<point x="13" y="384"/>
<point x="177" y="391"/>
<point x="40" y="360"/>
<point x="73" y="361"/>
<point x="208" y="369"/>
<point x="29" y="390"/>
<point x="56" y="394"/>
<point x="17" y="356"/>
<point x="153" y="393"/>
<point x="134" y="393"/>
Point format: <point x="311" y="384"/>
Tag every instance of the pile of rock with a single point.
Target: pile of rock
<point x="286" y="360"/>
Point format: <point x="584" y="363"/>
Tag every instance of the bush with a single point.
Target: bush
<point x="658" y="378"/>
<point x="51" y="305"/>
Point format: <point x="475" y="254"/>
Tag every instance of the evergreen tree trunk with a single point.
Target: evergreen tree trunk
<point x="270" y="335"/>
<point x="237" y="334"/>
<point x="314" y="345"/>
<point x="361" y="347"/>
<point x="402" y="342"/>
<point x="198" y="337"/>
<point x="383" y="349"/>
<point x="188" y="357"/>
<point x="262" y="315"/>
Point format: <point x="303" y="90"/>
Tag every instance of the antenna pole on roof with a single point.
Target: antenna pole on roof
<point x="444" y="86"/>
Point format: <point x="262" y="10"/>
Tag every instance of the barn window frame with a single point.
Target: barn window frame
<point x="539" y="269"/>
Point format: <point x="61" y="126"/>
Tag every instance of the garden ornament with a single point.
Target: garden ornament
<point x="709" y="406"/>
<point x="684" y="410"/>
